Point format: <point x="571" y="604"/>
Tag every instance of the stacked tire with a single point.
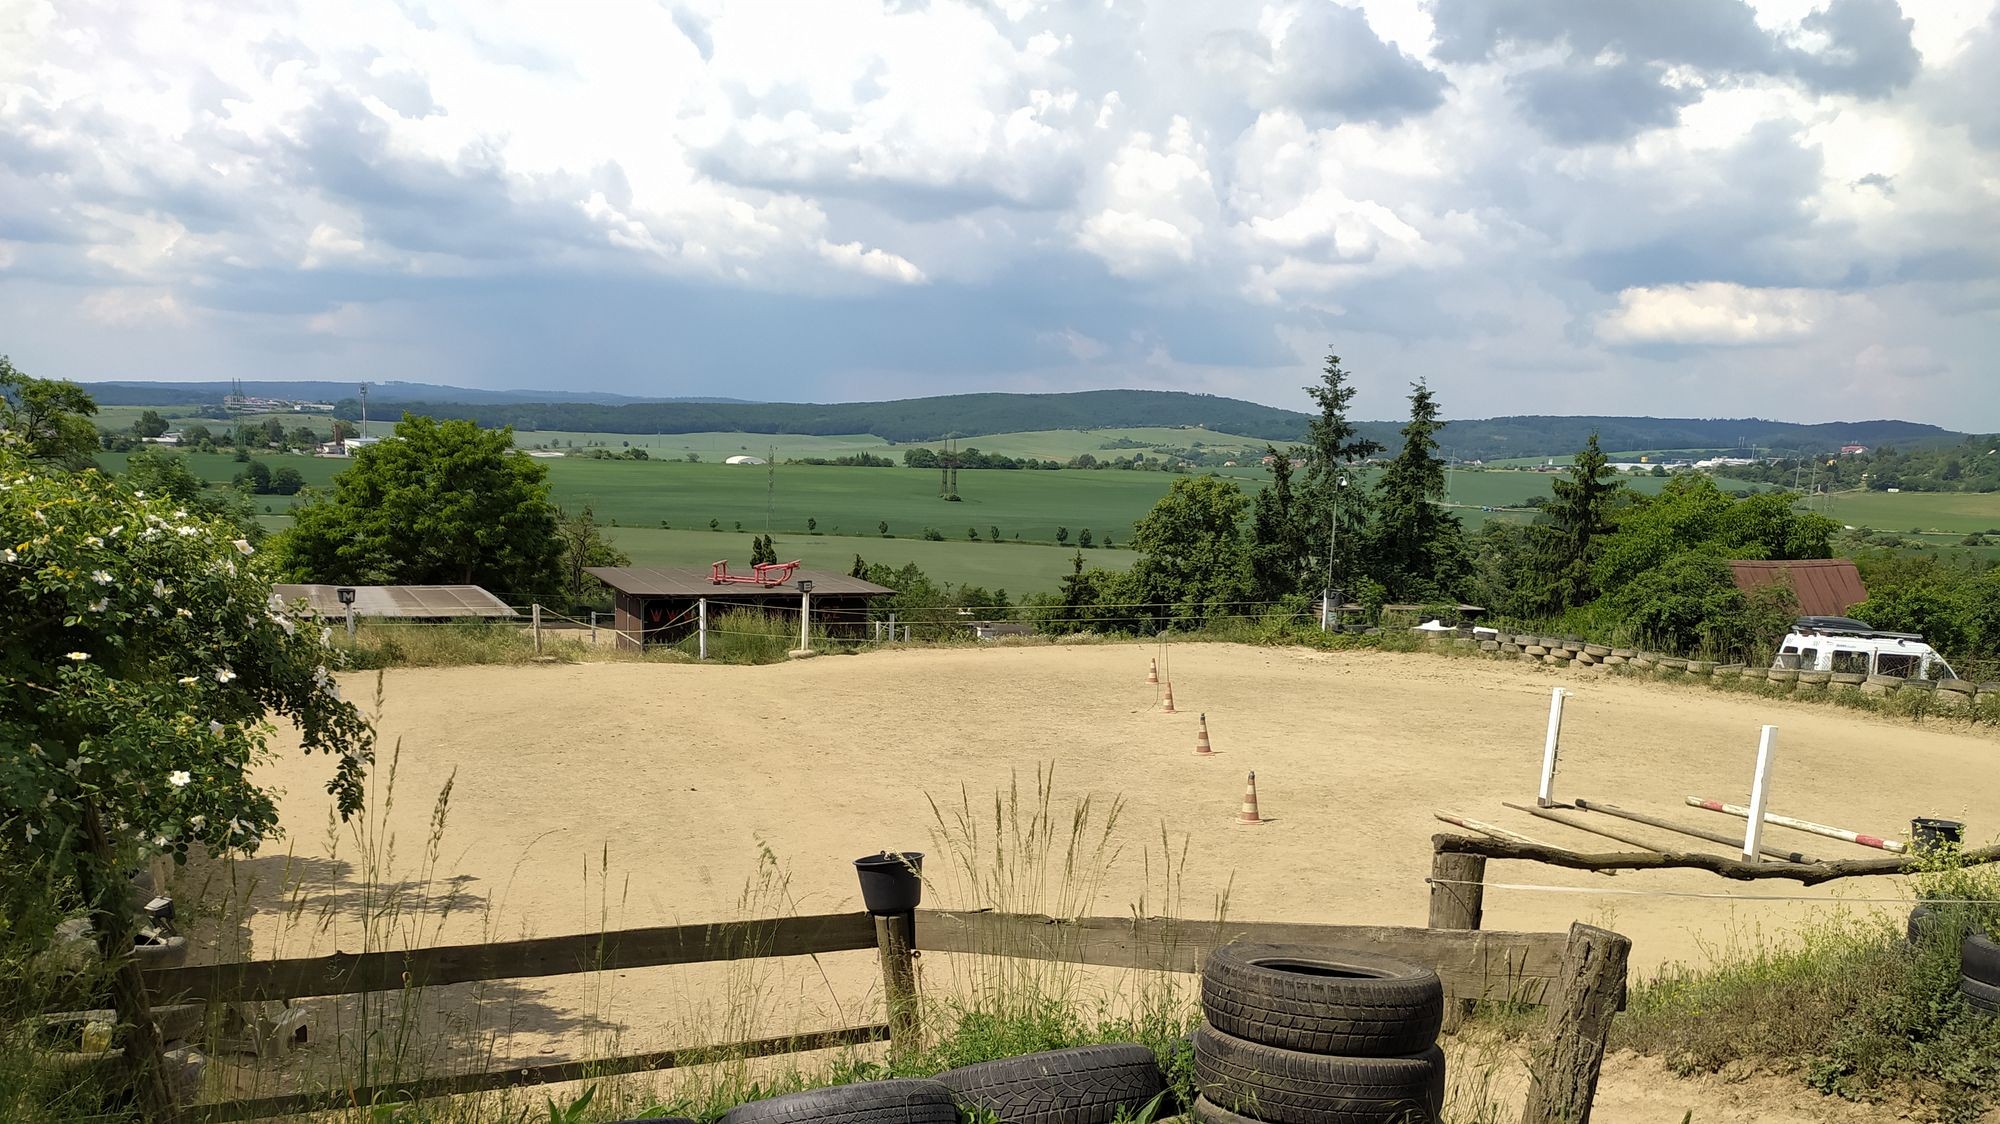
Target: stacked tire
<point x="1979" y="973"/>
<point x="1084" y="1085"/>
<point x="1296" y="1035"/>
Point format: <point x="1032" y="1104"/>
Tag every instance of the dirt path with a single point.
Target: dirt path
<point x="634" y="794"/>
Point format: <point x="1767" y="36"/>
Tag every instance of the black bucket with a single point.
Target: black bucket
<point x="891" y="882"/>
<point x="1930" y="834"/>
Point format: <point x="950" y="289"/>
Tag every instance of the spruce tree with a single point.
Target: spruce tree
<point x="1278" y="550"/>
<point x="1418" y="548"/>
<point x="1577" y="520"/>
<point x="1333" y="444"/>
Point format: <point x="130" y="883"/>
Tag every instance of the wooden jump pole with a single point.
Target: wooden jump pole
<point x="1894" y="845"/>
<point x="1554" y="816"/>
<point x="1805" y="874"/>
<point x="1683" y="829"/>
<point x="1551" y="748"/>
<point x="1760" y="795"/>
<point x="1488" y="829"/>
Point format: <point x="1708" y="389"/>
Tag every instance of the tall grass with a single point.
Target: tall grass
<point x="1847" y="1005"/>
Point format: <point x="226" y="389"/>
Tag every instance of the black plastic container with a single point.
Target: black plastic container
<point x="1931" y="834"/>
<point x="891" y="882"/>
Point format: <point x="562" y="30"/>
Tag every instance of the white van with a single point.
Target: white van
<point x="1845" y="644"/>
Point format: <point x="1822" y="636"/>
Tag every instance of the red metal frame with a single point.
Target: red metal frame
<point x="763" y="573"/>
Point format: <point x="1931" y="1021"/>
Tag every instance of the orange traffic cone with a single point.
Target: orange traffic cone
<point x="1201" y="745"/>
<point x="1153" y="671"/>
<point x="1249" y="812"/>
<point x="1167" y="704"/>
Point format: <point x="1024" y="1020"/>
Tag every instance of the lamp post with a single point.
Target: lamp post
<point x="1332" y="541"/>
<point x="805" y="614"/>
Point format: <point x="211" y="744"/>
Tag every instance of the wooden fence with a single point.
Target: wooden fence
<point x="1579" y="976"/>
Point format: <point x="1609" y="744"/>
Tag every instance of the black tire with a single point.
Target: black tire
<point x="1921" y="918"/>
<point x="901" y="1100"/>
<point x="1981" y="996"/>
<point x="1085" y="1085"/>
<point x="1291" y="1087"/>
<point x="658" y="1120"/>
<point x="1979" y="958"/>
<point x="1322" y="1001"/>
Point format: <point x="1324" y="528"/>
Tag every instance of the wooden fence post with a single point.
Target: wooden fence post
<point x="896" y="942"/>
<point x="535" y="625"/>
<point x="1562" y="1075"/>
<point x="1458" y="899"/>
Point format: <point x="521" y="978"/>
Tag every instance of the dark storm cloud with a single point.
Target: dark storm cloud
<point x="1713" y="34"/>
<point x="1867" y="52"/>
<point x="1591" y="104"/>
<point x="1870" y="53"/>
<point x="469" y="207"/>
<point x="1331" y="63"/>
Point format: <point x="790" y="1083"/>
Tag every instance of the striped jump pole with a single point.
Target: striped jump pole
<point x="1828" y="830"/>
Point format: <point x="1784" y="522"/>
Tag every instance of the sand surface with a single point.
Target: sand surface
<point x="644" y="794"/>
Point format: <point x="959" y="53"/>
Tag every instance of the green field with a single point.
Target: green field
<point x="1943" y="513"/>
<point x="1028" y="505"/>
<point x="1054" y="444"/>
<point x="1015" y="567"/>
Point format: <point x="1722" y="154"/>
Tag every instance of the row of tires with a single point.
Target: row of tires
<point x="1307" y="1036"/>
<point x="1978" y="963"/>
<point x="1289" y="1036"/>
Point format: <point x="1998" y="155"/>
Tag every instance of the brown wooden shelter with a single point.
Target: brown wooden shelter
<point x="661" y="606"/>
<point x="1825" y="587"/>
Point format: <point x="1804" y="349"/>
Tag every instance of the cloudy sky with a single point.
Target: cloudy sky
<point x="1788" y="208"/>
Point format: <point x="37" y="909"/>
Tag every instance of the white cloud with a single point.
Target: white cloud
<point x="1716" y="313"/>
<point x="315" y="187"/>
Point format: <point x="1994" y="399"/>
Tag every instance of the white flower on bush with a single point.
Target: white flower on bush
<point x="188" y="681"/>
<point x="99" y="605"/>
<point x="92" y="540"/>
<point x="215" y="727"/>
<point x="77" y="656"/>
<point x="160" y="589"/>
<point x="8" y="555"/>
<point x="224" y="675"/>
<point x="179" y="778"/>
<point x="198" y="822"/>
<point x="242" y="545"/>
<point x="100" y="577"/>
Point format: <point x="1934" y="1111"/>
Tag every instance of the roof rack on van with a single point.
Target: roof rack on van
<point x="1848" y="626"/>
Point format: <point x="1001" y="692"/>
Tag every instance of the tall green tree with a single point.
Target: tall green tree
<point x="1417" y="548"/>
<point x="1193" y="562"/>
<point x="46" y="421"/>
<point x="1278" y="548"/>
<point x="437" y="503"/>
<point x="1332" y="505"/>
<point x="1577" y="521"/>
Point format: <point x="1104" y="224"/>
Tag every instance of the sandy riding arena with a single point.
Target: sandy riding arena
<point x="623" y="795"/>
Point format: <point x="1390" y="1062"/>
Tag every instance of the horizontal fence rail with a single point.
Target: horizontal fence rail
<point x="346" y="973"/>
<point x="292" y="1104"/>
<point x="1473" y="964"/>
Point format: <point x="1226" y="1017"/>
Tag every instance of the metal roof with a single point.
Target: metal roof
<point x="1825" y="587"/>
<point x="414" y="601"/>
<point x="645" y="581"/>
